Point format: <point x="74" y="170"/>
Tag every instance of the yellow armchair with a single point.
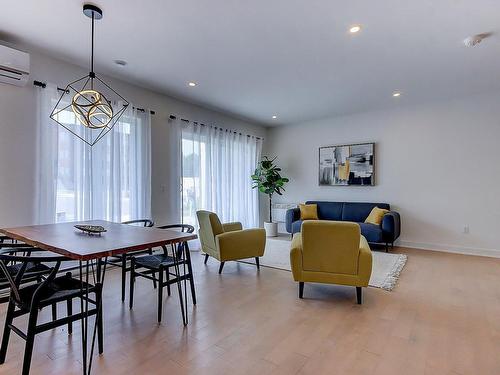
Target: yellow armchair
<point x="229" y="241"/>
<point x="331" y="252"/>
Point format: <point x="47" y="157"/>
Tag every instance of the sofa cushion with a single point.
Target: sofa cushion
<point x="328" y="210"/>
<point x="296" y="225"/>
<point x="376" y="216"/>
<point x="372" y="232"/>
<point x="308" y="211"/>
<point x="358" y="212"/>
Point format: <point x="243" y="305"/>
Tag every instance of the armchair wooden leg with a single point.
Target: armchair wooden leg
<point x="301" y="289"/>
<point x="221" y="267"/>
<point x="359" y="296"/>
<point x="257" y="262"/>
<point x="206" y="259"/>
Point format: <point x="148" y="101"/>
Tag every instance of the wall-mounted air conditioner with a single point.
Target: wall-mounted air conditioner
<point x="14" y="66"/>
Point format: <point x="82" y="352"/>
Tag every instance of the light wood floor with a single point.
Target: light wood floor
<point x="442" y="318"/>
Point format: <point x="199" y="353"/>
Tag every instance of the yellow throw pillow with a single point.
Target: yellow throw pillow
<point x="376" y="216"/>
<point x="308" y="211"/>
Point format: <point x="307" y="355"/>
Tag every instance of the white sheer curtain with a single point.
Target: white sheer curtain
<point x="110" y="181"/>
<point x="216" y="169"/>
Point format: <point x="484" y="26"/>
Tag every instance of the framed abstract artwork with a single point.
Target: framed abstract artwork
<point x="346" y="165"/>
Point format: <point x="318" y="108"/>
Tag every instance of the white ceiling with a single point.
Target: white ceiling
<point x="292" y="58"/>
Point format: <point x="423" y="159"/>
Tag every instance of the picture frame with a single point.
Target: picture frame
<point x="347" y="165"/>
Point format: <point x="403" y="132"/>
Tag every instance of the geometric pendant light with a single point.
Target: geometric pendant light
<point x="90" y="100"/>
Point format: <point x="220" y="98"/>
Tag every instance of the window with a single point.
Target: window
<point x="109" y="181"/>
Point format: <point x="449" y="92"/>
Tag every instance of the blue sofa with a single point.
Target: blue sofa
<point x="385" y="233"/>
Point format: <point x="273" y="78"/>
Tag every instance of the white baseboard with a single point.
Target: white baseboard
<point x="451" y="249"/>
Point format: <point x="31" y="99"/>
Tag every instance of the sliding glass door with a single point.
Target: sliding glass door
<point x="216" y="169"/>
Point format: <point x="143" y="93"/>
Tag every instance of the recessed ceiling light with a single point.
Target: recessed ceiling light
<point x="275" y="117"/>
<point x="120" y="62"/>
<point x="354" y="29"/>
<point x="192" y="84"/>
<point x="396" y="94"/>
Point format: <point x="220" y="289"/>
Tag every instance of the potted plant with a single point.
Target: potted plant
<point x="268" y="180"/>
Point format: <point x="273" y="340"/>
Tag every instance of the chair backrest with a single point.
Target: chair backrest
<point x="144" y="222"/>
<point x="185" y="228"/>
<point x="330" y="246"/>
<point x="210" y="226"/>
<point x="14" y="263"/>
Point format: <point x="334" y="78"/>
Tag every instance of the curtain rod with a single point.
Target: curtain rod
<point x="44" y="85"/>
<point x="174" y="117"/>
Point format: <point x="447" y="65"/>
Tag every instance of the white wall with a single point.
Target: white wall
<point x="437" y="164"/>
<point x="17" y="138"/>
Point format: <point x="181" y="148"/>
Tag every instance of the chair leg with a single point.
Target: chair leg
<point x="30" y="340"/>
<point x="301" y="289"/>
<point x="154" y="280"/>
<point x="206" y="259"/>
<point x="167" y="274"/>
<point x="69" y="308"/>
<point x="124" y="275"/>
<point x="100" y="335"/>
<point x="191" y="277"/>
<point x="54" y="311"/>
<point x="6" y="331"/>
<point x="257" y="262"/>
<point x="132" y="282"/>
<point x="221" y="267"/>
<point x="98" y="269"/>
<point x="359" y="295"/>
<point x="160" y="293"/>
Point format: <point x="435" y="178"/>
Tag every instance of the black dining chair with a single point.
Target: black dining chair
<point x="179" y="260"/>
<point x="121" y="260"/>
<point x="51" y="289"/>
<point x="5" y="238"/>
<point x="33" y="271"/>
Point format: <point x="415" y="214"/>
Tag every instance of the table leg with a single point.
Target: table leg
<point x="84" y="306"/>
<point x="179" y="284"/>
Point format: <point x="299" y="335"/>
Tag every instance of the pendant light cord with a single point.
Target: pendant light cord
<point x="92" y="48"/>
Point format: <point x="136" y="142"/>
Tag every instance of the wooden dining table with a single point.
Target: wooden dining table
<point x="92" y="251"/>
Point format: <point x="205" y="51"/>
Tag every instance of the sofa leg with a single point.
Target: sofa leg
<point x="359" y="295"/>
<point x="392" y="245"/>
<point x="221" y="267"/>
<point x="386" y="247"/>
<point x="206" y="259"/>
<point x="257" y="262"/>
<point x="301" y="289"/>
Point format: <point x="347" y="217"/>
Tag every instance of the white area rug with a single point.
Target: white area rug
<point x="385" y="270"/>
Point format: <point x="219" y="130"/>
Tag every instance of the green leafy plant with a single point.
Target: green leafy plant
<point x="268" y="180"/>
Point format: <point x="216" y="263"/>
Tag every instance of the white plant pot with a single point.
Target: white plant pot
<point x="271" y="229"/>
